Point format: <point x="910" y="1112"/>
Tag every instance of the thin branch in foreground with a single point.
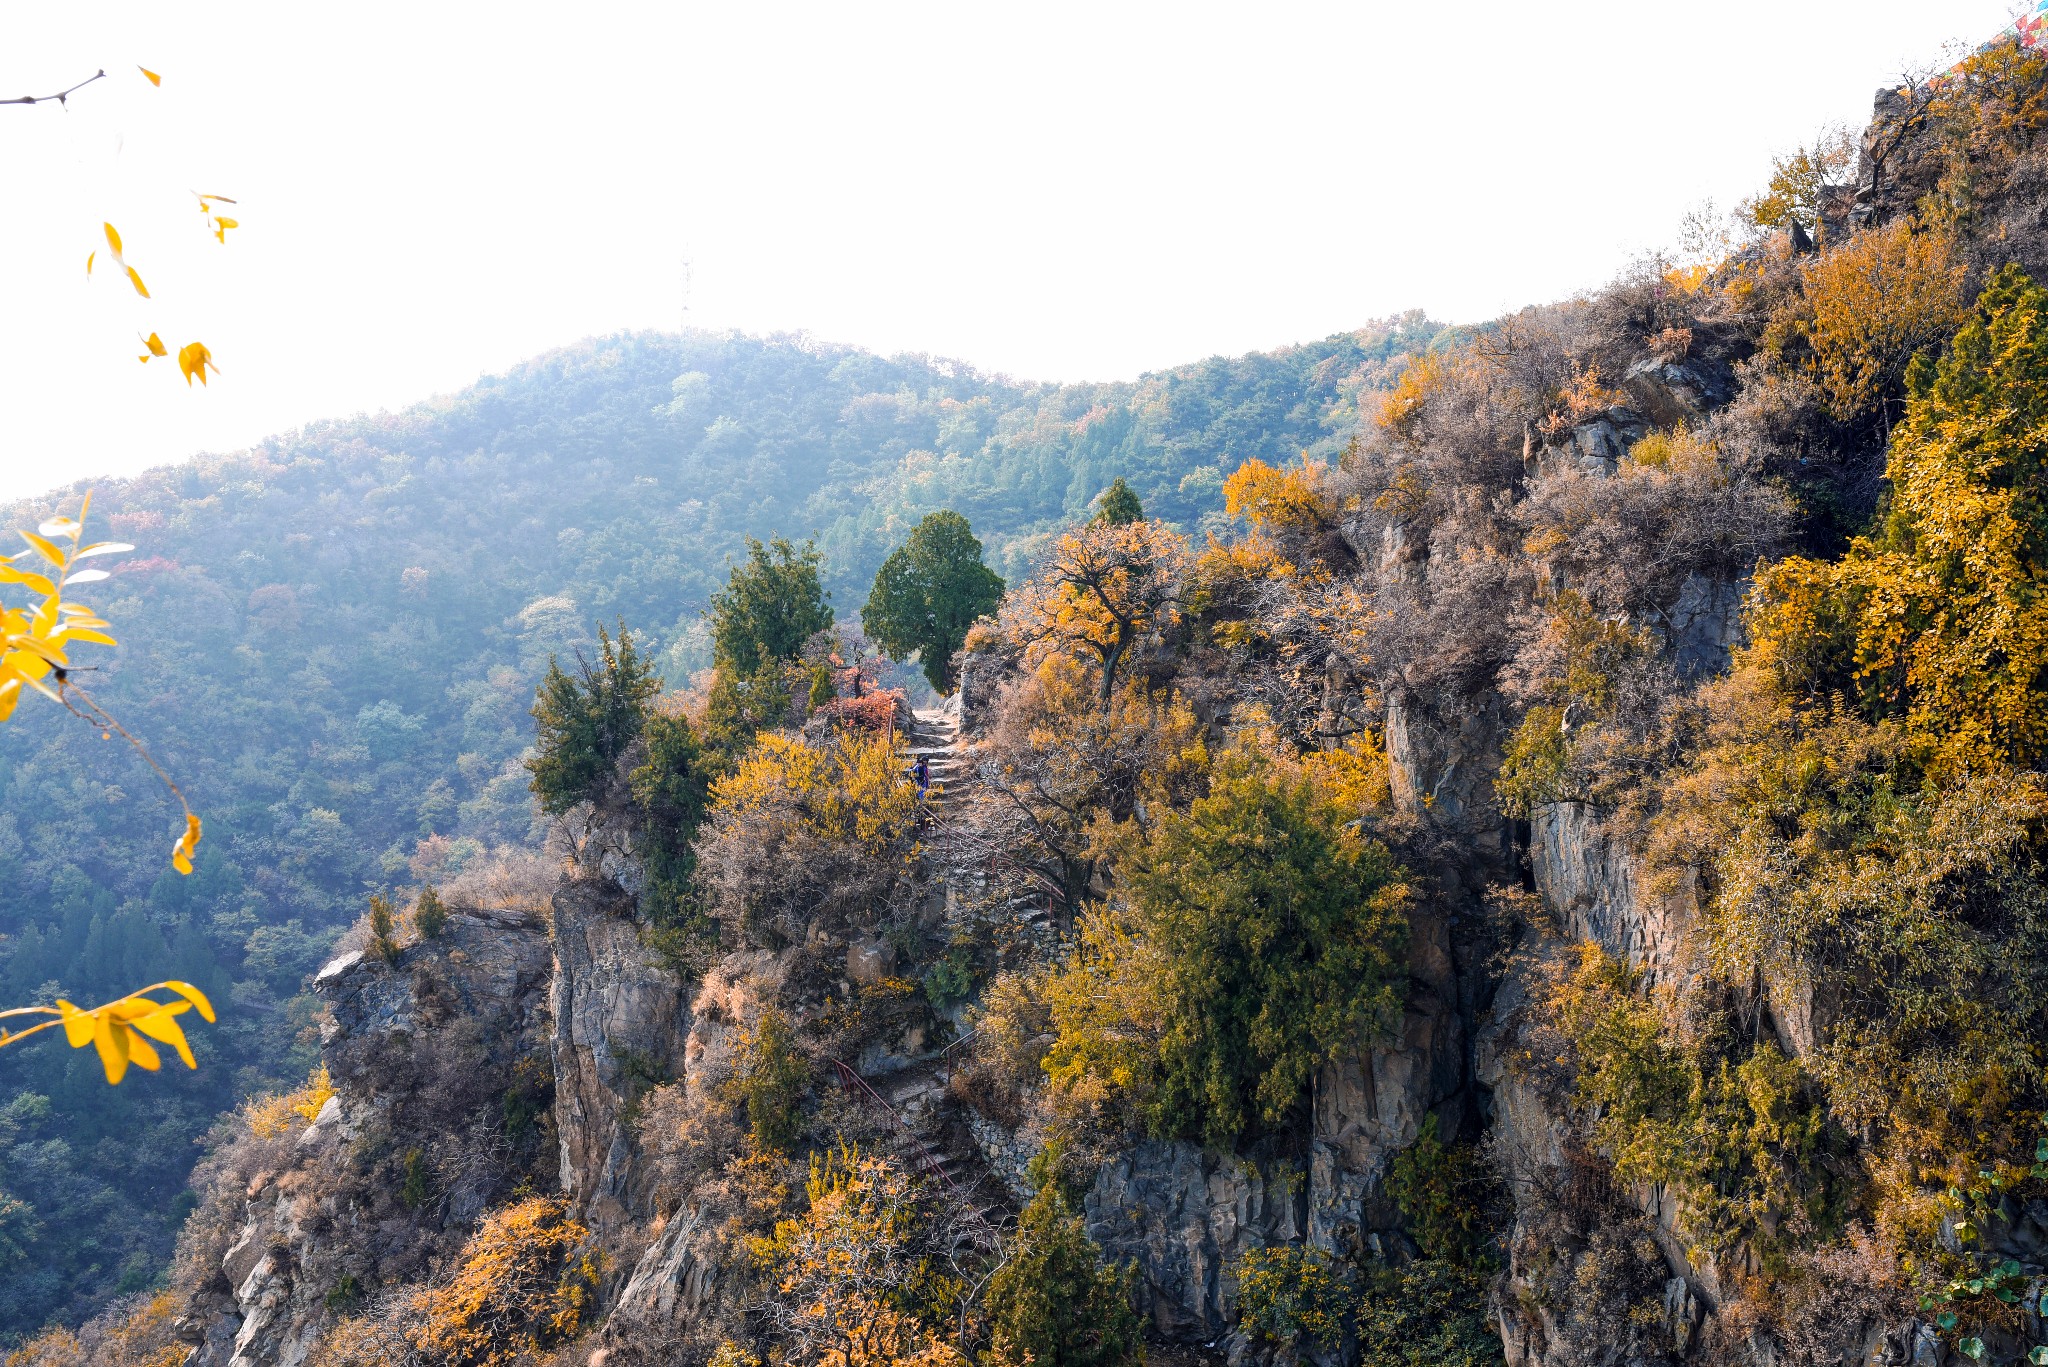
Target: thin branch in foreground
<point x="60" y="96"/>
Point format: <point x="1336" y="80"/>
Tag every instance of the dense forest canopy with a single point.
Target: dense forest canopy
<point x="333" y="640"/>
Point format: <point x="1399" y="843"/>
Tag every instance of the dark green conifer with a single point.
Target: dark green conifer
<point x="429" y="915"/>
<point x="1119" y="505"/>
<point x="773" y="603"/>
<point x="585" y="723"/>
<point x="1054" y="1304"/>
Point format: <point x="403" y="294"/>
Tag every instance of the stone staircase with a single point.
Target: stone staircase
<point x="933" y="1137"/>
<point x="935" y="734"/>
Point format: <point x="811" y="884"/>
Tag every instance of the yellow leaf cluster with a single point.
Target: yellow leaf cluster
<point x="138" y="1331"/>
<point x="855" y="1284"/>
<point x="35" y="638"/>
<point x="1940" y="620"/>
<point x="1104" y="588"/>
<point x="121" y="1030"/>
<point x="1410" y="397"/>
<point x="285" y="1114"/>
<point x="1109" y="1015"/>
<point x="853" y="793"/>
<point x="1297" y="501"/>
<point x="1875" y="301"/>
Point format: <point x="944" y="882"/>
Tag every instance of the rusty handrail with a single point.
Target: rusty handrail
<point x="854" y="1082"/>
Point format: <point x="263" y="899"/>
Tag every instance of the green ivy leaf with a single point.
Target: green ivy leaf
<point x="2038" y="1356"/>
<point x="1971" y="1348"/>
<point x="1945" y="1321"/>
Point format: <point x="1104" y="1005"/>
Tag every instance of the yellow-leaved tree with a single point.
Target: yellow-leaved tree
<point x="1102" y="591"/>
<point x="1941" y="620"/>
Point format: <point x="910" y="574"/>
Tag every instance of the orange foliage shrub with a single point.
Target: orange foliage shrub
<point x="523" y="1285"/>
<point x="133" y="1333"/>
<point x="1870" y="305"/>
<point x="1281" y="500"/>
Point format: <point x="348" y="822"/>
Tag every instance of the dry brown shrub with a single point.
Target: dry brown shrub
<point x="505" y="877"/>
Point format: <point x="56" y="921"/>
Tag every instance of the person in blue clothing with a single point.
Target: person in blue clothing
<point x="922" y="772"/>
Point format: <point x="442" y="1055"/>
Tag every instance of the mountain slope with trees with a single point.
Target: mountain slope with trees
<point x="333" y="641"/>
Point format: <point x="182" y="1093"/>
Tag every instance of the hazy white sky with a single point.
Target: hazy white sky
<point x="431" y="190"/>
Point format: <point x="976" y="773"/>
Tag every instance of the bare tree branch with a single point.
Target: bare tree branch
<point x="60" y="96"/>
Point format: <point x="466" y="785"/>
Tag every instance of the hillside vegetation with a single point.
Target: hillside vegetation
<point x="333" y="641"/>
<point x="1549" y="872"/>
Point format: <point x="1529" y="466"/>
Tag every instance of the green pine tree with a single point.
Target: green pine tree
<point x="383" y="937"/>
<point x="585" y="723"/>
<point x="773" y="603"/>
<point x="1054" y="1304"/>
<point x="671" y="790"/>
<point x="1119" y="505"/>
<point x="429" y="915"/>
<point x="929" y="591"/>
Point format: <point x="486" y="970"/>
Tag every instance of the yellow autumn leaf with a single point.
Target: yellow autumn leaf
<point x="154" y="79"/>
<point x="77" y="1024"/>
<point x="221" y="226"/>
<point x="181" y="853"/>
<point x="154" y="347"/>
<point x="135" y="279"/>
<point x="40" y="583"/>
<point x="193" y="359"/>
<point x="88" y="261"/>
<point x="159" y="1025"/>
<point x="10" y="695"/>
<point x="190" y="994"/>
<point x="113" y="238"/>
<point x="141" y="1052"/>
<point x="45" y="546"/>
<point x="51" y="653"/>
<point x="112" y="1043"/>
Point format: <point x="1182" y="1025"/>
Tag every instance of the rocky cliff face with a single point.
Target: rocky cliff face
<point x="429" y="1056"/>
<point x="621" y="1023"/>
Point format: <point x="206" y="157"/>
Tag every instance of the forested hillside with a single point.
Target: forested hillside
<point x="333" y="642"/>
<point x="1516" y="846"/>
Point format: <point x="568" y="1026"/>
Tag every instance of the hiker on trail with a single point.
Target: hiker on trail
<point x="921" y="770"/>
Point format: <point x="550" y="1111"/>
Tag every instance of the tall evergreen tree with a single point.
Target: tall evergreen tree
<point x="586" y="722"/>
<point x="671" y="788"/>
<point x="929" y="591"/>
<point x="772" y="604"/>
<point x="1119" y="505"/>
